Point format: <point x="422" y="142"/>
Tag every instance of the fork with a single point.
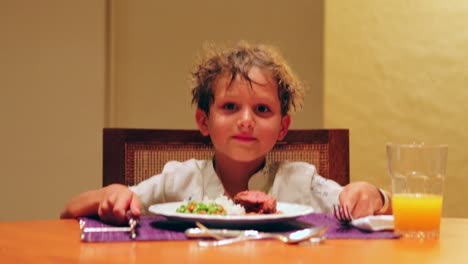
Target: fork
<point x="342" y="213"/>
<point x="313" y="235"/>
<point x="133" y="224"/>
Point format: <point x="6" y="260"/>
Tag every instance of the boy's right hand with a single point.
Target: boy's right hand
<point x="117" y="201"/>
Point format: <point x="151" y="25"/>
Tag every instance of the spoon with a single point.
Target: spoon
<point x="292" y="238"/>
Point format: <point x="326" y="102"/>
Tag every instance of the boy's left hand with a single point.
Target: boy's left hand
<point x="361" y="198"/>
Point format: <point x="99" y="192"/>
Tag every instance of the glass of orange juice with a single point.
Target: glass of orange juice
<point x="418" y="173"/>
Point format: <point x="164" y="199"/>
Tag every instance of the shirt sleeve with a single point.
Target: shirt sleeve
<point x="149" y="191"/>
<point x="299" y="182"/>
<point x="178" y="181"/>
<point x="325" y="192"/>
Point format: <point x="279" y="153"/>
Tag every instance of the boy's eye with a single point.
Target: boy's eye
<point x="229" y="106"/>
<point x="263" y="109"/>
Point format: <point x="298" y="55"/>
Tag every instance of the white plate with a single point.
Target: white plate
<point x="286" y="211"/>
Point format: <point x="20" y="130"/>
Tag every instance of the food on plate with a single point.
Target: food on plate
<point x="256" y="202"/>
<point x="212" y="207"/>
<point x="202" y="208"/>
<point x="252" y="202"/>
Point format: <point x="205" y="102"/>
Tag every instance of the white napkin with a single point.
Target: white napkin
<point x="374" y="222"/>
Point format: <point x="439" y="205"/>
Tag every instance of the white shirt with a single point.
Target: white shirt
<point x="293" y="182"/>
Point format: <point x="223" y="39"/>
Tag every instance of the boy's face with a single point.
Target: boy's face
<point x="244" y="122"/>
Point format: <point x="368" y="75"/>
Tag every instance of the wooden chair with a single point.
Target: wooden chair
<point x="133" y="155"/>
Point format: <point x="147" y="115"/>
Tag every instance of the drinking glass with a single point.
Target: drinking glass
<point x="418" y="172"/>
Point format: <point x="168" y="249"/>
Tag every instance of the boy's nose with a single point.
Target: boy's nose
<point x="246" y="120"/>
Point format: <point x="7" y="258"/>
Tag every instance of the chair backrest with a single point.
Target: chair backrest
<point x="133" y="155"/>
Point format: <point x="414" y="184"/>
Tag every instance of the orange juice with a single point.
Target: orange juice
<point x="417" y="213"/>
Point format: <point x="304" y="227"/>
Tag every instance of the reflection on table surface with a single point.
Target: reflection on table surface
<point x="58" y="241"/>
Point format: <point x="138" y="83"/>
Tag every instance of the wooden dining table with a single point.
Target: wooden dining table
<point x="58" y="241"/>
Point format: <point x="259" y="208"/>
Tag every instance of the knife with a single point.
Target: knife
<point x="203" y="233"/>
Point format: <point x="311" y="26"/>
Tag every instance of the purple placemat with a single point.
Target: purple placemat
<point x="159" y="228"/>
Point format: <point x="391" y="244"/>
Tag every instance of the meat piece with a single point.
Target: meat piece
<point x="256" y="202"/>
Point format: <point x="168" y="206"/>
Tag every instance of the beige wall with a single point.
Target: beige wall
<point x="398" y="72"/>
<point x="155" y="44"/>
<point x="51" y="104"/>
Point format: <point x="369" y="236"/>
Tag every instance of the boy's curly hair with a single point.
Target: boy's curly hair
<point x="238" y="61"/>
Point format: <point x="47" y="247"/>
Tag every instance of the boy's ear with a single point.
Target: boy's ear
<point x="202" y="122"/>
<point x="285" y="122"/>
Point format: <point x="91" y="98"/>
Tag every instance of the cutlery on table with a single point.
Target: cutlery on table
<point x="207" y="231"/>
<point x="133" y="222"/>
<point x="313" y="234"/>
<point x="342" y="213"/>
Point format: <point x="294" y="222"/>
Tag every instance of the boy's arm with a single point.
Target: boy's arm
<point x="386" y="208"/>
<point x="111" y="203"/>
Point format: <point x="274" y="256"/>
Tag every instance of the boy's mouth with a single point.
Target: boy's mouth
<point x="245" y="138"/>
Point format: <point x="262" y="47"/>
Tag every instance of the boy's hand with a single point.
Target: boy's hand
<point x="116" y="201"/>
<point x="361" y="198"/>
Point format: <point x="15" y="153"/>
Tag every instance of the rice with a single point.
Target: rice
<point x="228" y="204"/>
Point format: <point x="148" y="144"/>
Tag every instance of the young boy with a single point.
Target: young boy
<point x="244" y="97"/>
